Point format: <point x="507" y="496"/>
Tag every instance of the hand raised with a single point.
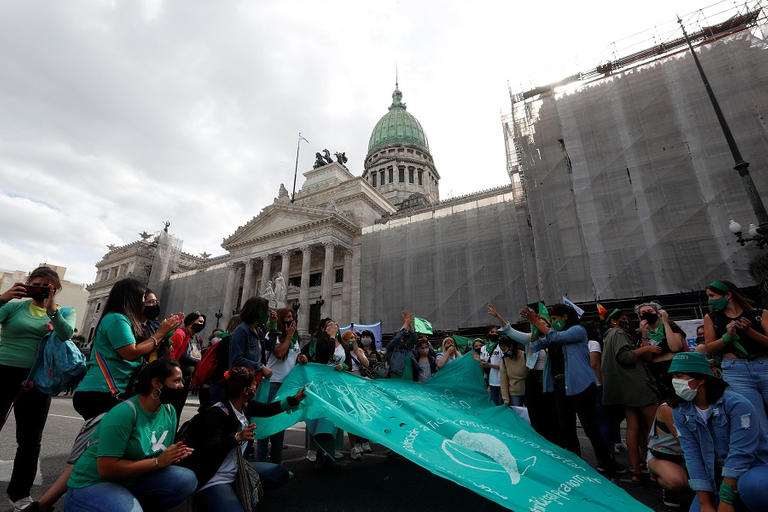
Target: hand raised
<point x="17" y="291"/>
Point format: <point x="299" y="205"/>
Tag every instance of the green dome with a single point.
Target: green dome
<point x="397" y="127"/>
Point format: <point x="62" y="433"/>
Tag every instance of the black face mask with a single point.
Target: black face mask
<point x="699" y="340"/>
<point x="171" y="395"/>
<point x="197" y="327"/>
<point x="493" y="337"/>
<point x="40" y="296"/>
<point x="651" y="318"/>
<point x="478" y="349"/>
<point x="151" y="312"/>
<point x="624" y="325"/>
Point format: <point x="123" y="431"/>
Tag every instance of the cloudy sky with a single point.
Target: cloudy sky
<point x="118" y="115"/>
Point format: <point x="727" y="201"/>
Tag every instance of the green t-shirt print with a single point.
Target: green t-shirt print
<point x="129" y="432"/>
<point x="114" y="332"/>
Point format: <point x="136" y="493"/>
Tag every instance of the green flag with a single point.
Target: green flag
<point x="455" y="432"/>
<point x="462" y="342"/>
<point x="543" y="313"/>
<point x="422" y="326"/>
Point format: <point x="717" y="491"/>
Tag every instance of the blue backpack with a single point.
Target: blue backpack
<point x="58" y="366"/>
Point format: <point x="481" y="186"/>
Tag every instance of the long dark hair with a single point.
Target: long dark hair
<point x="254" y="310"/>
<point x="736" y="295"/>
<point x="126" y="298"/>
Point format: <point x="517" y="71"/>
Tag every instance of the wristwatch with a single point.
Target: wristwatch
<point x="54" y="314"/>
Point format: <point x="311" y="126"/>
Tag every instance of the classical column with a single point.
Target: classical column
<point x="266" y="272"/>
<point x="328" y="278"/>
<point x="285" y="266"/>
<point x="306" y="257"/>
<point x="229" y="294"/>
<point x="247" y="281"/>
<point x="346" y="298"/>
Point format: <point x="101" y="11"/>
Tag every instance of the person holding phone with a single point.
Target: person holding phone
<point x="24" y="323"/>
<point x="286" y="354"/>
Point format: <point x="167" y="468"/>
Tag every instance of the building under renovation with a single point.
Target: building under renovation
<point x="621" y="187"/>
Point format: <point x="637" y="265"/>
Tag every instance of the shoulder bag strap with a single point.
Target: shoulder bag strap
<point x="107" y="374"/>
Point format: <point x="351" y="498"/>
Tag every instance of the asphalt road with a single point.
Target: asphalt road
<point x="378" y="482"/>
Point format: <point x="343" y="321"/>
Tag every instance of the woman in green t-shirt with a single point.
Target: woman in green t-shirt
<point x="130" y="463"/>
<point x="24" y="323"/>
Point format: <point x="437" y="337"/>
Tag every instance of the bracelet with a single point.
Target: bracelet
<point x="727" y="494"/>
<point x="154" y="340"/>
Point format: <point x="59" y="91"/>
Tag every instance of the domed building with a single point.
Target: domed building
<point x="399" y="164"/>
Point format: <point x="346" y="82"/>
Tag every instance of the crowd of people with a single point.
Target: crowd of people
<point x="696" y="421"/>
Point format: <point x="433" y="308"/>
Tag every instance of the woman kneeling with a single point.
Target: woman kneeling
<point x="129" y="465"/>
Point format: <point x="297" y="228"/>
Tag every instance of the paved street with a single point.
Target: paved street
<point x="378" y="482"/>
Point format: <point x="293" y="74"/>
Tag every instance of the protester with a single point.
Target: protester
<point x="281" y="361"/>
<point x="477" y="350"/>
<point x="666" y="460"/>
<point x="130" y="464"/>
<point x="149" y="324"/>
<point x="329" y="350"/>
<point x="448" y="353"/>
<point x="628" y="383"/>
<point x="568" y="374"/>
<point x="540" y="403"/>
<point x="657" y="329"/>
<point x="726" y="453"/>
<point x="377" y="364"/>
<point x="512" y="372"/>
<point x="24" y="323"/>
<point x="736" y="330"/>
<point x="218" y="431"/>
<point x="185" y="349"/>
<point x="425" y="358"/>
<point x="402" y="363"/>
<point x="490" y="359"/>
<point x="248" y="340"/>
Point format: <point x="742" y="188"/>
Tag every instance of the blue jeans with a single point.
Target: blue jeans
<point x="752" y="493"/>
<point x="496" y="395"/>
<point x="516" y="400"/>
<point x="222" y="498"/>
<point x="750" y="379"/>
<point x="262" y="445"/>
<point x="157" y="490"/>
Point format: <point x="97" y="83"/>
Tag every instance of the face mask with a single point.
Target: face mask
<point x="683" y="390"/>
<point x="151" y="312"/>
<point x="449" y="347"/>
<point x="509" y="353"/>
<point x="197" y="327"/>
<point x="40" y="296"/>
<point x="424" y="351"/>
<point x="699" y="340"/>
<point x="493" y="337"/>
<point x="171" y="395"/>
<point x="366" y="341"/>
<point x="718" y="304"/>
<point x="651" y="318"/>
<point x="478" y="349"/>
<point x="624" y="324"/>
<point x="558" y="324"/>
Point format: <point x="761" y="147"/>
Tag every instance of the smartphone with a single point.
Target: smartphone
<point x="35" y="290"/>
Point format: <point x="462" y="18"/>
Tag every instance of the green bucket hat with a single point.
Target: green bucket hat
<point x="691" y="362"/>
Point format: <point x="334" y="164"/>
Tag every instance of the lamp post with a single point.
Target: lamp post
<point x="758" y="234"/>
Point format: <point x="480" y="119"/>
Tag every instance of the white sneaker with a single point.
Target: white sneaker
<point x="21" y="504"/>
<point x="311" y="455"/>
<point x="356" y="452"/>
<point x="338" y="455"/>
<point x="366" y="447"/>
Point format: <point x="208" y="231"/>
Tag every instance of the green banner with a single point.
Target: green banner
<point x="455" y="432"/>
<point x="422" y="326"/>
<point x="462" y="342"/>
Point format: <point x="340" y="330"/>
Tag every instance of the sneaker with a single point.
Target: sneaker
<point x="26" y="504"/>
<point x="367" y="447"/>
<point x="356" y="452"/>
<point x="619" y="448"/>
<point x="311" y="455"/>
<point x="670" y="499"/>
<point x="338" y="455"/>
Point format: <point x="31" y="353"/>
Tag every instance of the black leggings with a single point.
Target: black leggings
<point x="31" y="412"/>
<point x="92" y="403"/>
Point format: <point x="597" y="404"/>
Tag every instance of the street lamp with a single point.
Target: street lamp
<point x="757" y="234"/>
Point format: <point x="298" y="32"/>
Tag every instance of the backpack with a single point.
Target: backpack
<point x="212" y="365"/>
<point x="58" y="366"/>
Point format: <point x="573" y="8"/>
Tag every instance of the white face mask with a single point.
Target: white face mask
<point x="366" y="341"/>
<point x="683" y="390"/>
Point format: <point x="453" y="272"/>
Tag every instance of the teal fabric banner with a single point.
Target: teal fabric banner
<point x="449" y="426"/>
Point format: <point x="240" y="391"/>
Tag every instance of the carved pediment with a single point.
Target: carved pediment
<point x="278" y="219"/>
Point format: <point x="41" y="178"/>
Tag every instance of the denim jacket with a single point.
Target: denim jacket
<point x="400" y="351"/>
<point x="731" y="440"/>
<point x="245" y="347"/>
<point x="578" y="372"/>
